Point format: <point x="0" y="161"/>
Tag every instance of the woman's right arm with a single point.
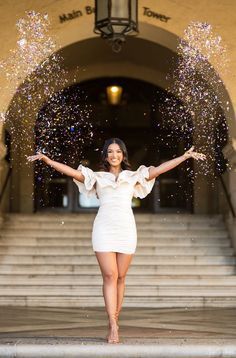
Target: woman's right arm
<point x="62" y="168"/>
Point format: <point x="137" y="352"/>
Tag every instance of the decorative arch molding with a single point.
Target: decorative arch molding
<point x="148" y="57"/>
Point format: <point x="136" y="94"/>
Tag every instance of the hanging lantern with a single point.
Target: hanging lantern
<point x="114" y="19"/>
<point x="114" y="94"/>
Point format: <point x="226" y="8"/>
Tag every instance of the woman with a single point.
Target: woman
<point x="114" y="235"/>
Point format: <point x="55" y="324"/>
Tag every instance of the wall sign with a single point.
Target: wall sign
<point x="149" y="13"/>
<point x="88" y="10"/>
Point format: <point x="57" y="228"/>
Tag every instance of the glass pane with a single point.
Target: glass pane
<point x="136" y="203"/>
<point x="134" y="10"/>
<point x="88" y="202"/>
<point x="170" y="196"/>
<point x="118" y="29"/>
<point x="106" y="30"/>
<point x="57" y="190"/>
<point x="120" y="8"/>
<point x="102" y="9"/>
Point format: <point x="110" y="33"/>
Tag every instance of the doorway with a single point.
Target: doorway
<point x="73" y="125"/>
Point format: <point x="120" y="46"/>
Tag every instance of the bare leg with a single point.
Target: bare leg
<point x="123" y="262"/>
<point x="108" y="266"/>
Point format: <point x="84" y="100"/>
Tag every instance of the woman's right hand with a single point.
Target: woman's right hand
<point x="38" y="156"/>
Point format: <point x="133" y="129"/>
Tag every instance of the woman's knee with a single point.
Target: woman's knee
<point x="110" y="276"/>
<point x="121" y="278"/>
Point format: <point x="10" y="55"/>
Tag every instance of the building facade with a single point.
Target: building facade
<point x="144" y="62"/>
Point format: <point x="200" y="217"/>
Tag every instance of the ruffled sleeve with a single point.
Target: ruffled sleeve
<point x="143" y="186"/>
<point x="87" y="187"/>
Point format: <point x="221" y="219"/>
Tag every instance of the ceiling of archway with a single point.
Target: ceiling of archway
<point x="135" y="50"/>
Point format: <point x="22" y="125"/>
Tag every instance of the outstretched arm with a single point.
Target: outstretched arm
<point x="62" y="168"/>
<point x="154" y="172"/>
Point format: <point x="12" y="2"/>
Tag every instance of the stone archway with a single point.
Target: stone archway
<point x="147" y="57"/>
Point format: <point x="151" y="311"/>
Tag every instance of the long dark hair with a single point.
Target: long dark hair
<point x="104" y="165"/>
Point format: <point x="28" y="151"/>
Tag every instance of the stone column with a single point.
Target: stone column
<point x="3" y="167"/>
<point x="230" y="154"/>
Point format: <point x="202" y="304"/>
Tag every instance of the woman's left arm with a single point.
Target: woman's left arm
<point x="154" y="172"/>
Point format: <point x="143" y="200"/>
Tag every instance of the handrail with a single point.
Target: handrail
<point x="5" y="183"/>
<point x="227" y="196"/>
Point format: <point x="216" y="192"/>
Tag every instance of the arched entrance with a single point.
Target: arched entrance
<point x="73" y="125"/>
<point x="95" y="60"/>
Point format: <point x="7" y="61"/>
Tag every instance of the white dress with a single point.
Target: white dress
<point x="114" y="228"/>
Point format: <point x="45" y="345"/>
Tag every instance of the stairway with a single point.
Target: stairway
<point x="181" y="261"/>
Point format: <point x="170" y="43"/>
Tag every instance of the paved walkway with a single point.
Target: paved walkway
<point x="144" y="332"/>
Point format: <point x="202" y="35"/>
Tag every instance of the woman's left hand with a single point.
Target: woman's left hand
<point x="191" y="154"/>
<point x="38" y="156"/>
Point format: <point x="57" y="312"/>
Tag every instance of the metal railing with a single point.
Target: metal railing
<point x="5" y="183"/>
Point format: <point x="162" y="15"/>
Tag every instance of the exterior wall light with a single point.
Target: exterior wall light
<point x="114" y="19"/>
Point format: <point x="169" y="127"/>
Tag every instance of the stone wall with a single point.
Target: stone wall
<point x="161" y="24"/>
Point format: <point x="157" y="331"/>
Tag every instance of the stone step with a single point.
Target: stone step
<point x="91" y="301"/>
<point x="181" y="260"/>
<point x="68" y="347"/>
<point x="87" y="225"/>
<point x="138" y="260"/>
<point x="133" y="269"/>
<point x="72" y="241"/>
<point x="89" y="217"/>
<point x="131" y="280"/>
<point x="137" y="291"/>
<point x="141" y="250"/>
<point x="148" y="233"/>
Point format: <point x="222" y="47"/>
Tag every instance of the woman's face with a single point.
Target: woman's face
<point x="114" y="155"/>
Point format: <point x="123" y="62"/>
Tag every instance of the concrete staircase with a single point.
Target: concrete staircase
<point x="181" y="261"/>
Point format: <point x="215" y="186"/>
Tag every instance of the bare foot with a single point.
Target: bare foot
<point x="113" y="336"/>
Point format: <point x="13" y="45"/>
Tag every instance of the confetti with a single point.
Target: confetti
<point x="43" y="104"/>
<point x="192" y="108"/>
